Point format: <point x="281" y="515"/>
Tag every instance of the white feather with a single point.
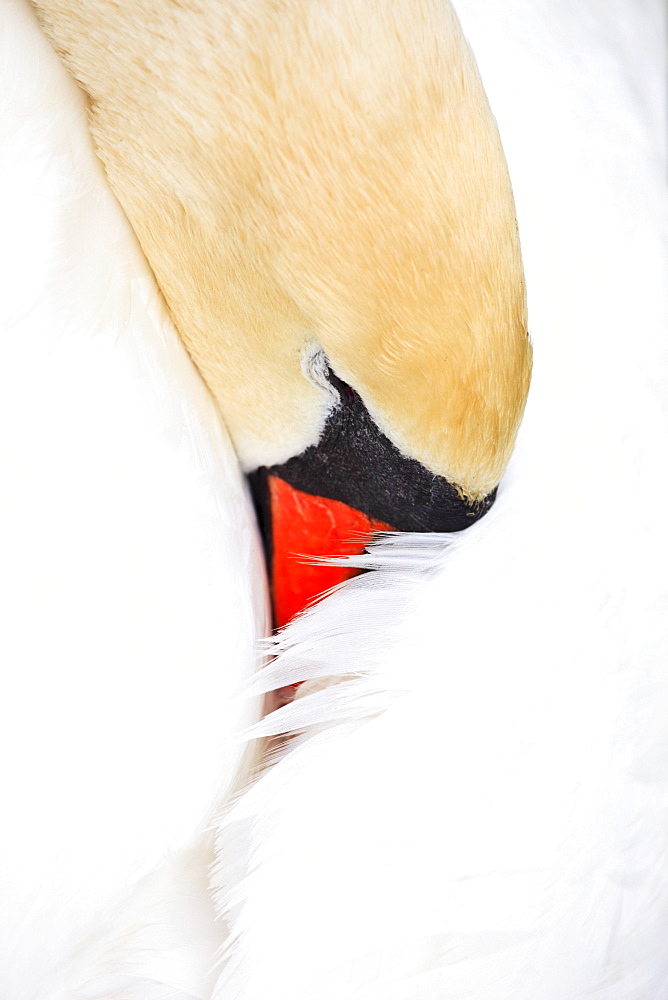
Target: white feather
<point x="131" y="577"/>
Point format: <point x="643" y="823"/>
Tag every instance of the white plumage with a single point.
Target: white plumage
<point x="477" y="806"/>
<point x="132" y="593"/>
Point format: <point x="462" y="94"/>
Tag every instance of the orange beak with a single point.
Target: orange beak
<point x="303" y="527"/>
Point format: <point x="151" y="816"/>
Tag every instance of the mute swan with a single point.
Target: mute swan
<point x="494" y="826"/>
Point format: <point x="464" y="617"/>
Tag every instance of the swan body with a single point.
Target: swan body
<point x="132" y="579"/>
<point x="475" y="802"/>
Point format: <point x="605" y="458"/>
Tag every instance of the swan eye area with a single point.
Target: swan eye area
<point x="330" y="500"/>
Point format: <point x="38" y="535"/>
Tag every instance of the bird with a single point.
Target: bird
<point x="473" y="801"/>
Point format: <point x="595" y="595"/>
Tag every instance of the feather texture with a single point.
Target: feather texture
<point x="131" y="576"/>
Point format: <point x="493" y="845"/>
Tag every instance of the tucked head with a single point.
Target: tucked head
<point x="321" y="191"/>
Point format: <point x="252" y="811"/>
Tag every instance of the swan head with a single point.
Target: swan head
<point x="321" y="192"/>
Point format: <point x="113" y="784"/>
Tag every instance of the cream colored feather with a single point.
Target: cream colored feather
<point x="318" y="175"/>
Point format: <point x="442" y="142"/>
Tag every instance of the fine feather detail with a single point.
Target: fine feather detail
<point x="344" y="628"/>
